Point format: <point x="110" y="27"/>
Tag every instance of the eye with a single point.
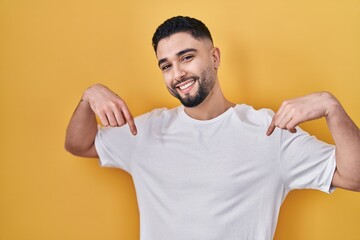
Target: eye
<point x="165" y="67"/>
<point x="187" y="58"/>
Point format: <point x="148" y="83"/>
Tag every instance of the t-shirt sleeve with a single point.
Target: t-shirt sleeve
<point x="307" y="162"/>
<point x="115" y="146"/>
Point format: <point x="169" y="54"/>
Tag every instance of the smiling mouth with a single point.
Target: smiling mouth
<point x="186" y="85"/>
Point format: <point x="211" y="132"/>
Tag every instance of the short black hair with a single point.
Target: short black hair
<point x="173" y="25"/>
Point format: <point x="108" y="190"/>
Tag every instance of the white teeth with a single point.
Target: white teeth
<point x="186" y="85"/>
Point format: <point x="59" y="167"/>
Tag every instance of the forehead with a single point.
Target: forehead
<point x="177" y="42"/>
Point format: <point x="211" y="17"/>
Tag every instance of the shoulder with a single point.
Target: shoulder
<point x="157" y="117"/>
<point x="250" y="115"/>
<point x="158" y="114"/>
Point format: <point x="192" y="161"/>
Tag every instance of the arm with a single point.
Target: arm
<point x="344" y="131"/>
<point x="111" y="110"/>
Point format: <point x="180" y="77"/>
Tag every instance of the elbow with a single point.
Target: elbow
<point x="71" y="148"/>
<point x="80" y="150"/>
<point x="74" y="149"/>
<point x="357" y="186"/>
<point x="353" y="185"/>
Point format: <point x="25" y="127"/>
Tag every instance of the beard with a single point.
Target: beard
<point x="205" y="82"/>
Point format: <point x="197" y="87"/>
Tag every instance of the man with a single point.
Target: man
<point x="212" y="169"/>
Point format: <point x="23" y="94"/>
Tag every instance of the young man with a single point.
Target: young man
<point x="212" y="169"/>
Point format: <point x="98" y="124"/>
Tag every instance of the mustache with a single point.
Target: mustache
<point x="184" y="80"/>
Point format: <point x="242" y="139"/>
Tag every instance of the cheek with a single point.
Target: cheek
<point x="199" y="66"/>
<point x="167" y="79"/>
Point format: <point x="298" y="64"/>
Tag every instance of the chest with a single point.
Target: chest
<point x="205" y="158"/>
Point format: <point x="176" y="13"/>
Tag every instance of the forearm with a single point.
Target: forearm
<point x="346" y="136"/>
<point x="99" y="101"/>
<point x="81" y="131"/>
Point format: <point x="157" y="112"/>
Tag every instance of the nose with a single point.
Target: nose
<point x="178" y="72"/>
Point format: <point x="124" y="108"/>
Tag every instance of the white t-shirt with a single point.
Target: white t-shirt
<point x="217" y="179"/>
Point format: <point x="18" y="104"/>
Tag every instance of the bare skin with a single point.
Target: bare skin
<point x="111" y="110"/>
<point x="182" y="60"/>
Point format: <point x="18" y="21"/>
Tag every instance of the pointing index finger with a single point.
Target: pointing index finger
<point x="271" y="127"/>
<point x="132" y="125"/>
<point x="129" y="119"/>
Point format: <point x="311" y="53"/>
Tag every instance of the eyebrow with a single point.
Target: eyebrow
<point x="182" y="52"/>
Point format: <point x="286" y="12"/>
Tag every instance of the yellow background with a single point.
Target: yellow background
<point x="50" y="51"/>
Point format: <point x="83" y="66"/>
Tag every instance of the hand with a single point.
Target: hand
<point x="109" y="107"/>
<point x="295" y="111"/>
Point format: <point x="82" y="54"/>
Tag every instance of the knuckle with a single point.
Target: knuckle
<point x="290" y="106"/>
<point x="120" y="103"/>
<point x="285" y="103"/>
<point x="114" y="104"/>
<point x="106" y="108"/>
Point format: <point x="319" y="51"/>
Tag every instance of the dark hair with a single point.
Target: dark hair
<point x="195" y="27"/>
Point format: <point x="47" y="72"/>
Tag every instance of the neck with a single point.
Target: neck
<point x="214" y="105"/>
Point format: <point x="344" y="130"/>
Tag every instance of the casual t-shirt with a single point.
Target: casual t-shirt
<point x="216" y="179"/>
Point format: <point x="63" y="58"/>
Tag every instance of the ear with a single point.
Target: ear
<point x="216" y="57"/>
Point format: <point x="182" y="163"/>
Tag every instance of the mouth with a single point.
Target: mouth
<point x="185" y="86"/>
